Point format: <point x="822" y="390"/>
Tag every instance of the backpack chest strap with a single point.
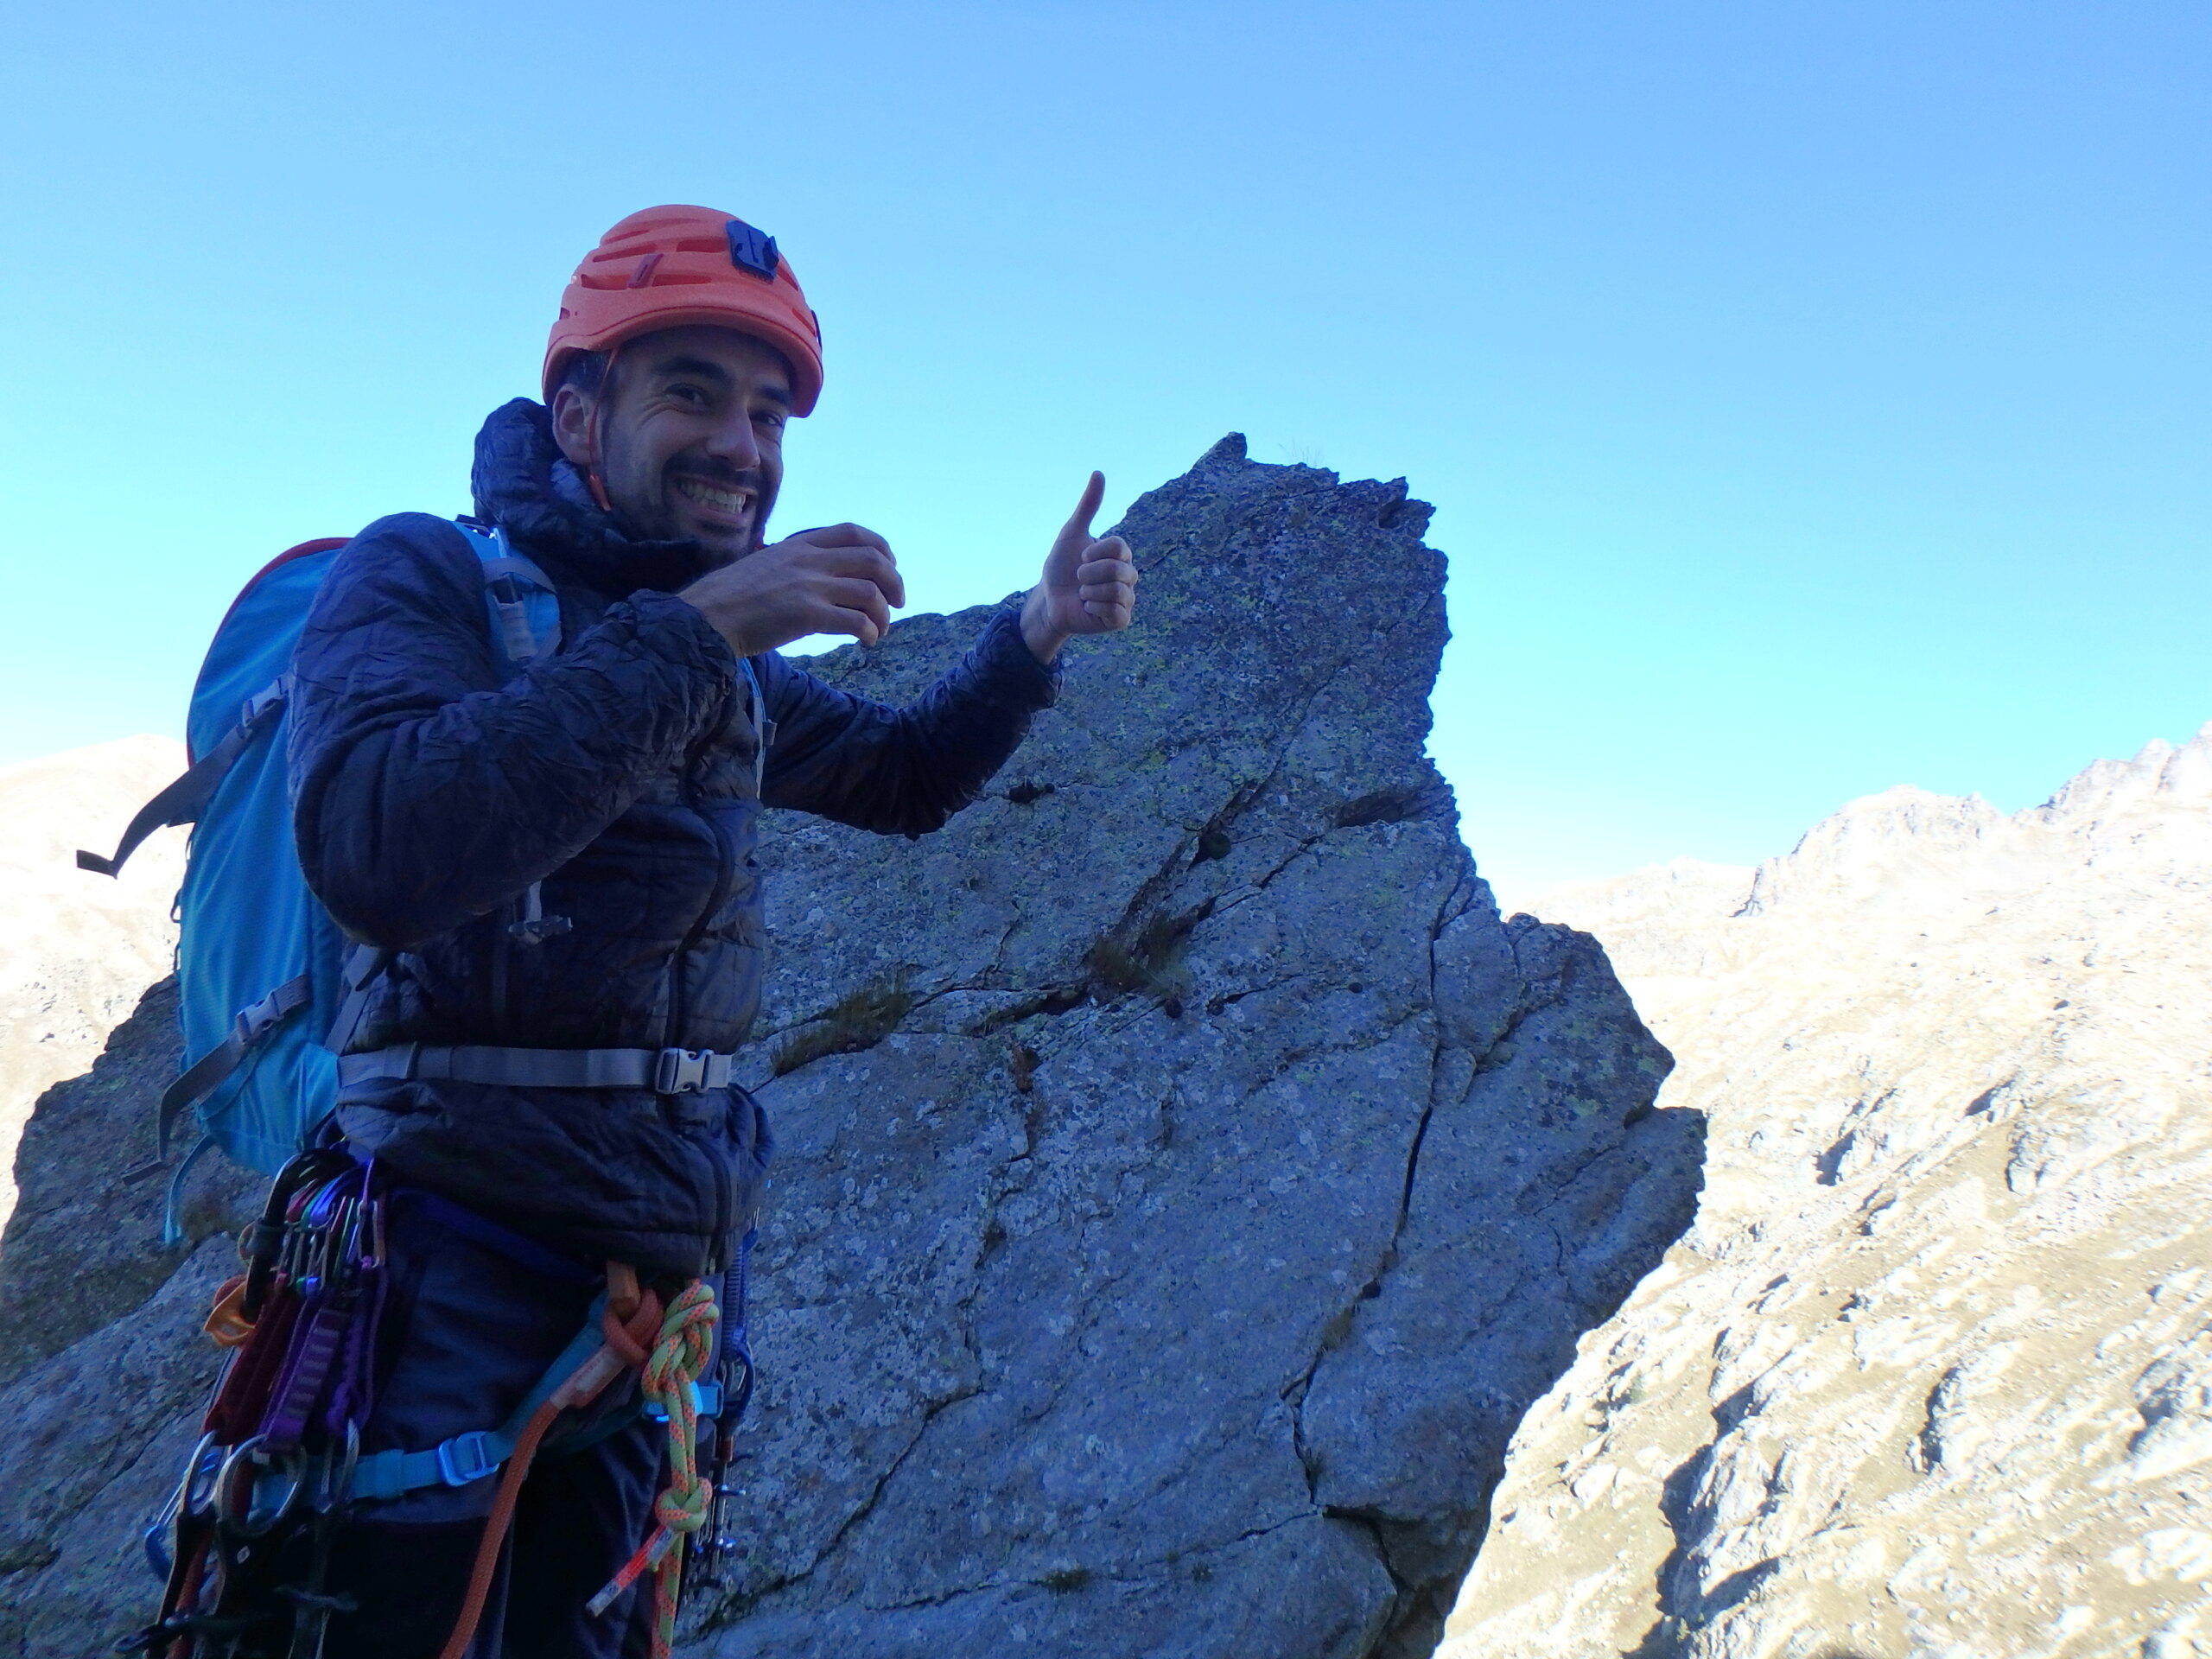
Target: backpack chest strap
<point x="213" y="1068"/>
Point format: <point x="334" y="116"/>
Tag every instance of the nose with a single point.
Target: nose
<point x="734" y="441"/>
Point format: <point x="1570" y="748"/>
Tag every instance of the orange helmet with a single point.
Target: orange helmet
<point x="667" y="267"/>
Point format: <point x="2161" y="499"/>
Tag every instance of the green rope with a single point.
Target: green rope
<point x="683" y="1355"/>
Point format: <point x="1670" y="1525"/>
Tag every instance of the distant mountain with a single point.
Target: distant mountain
<point x="77" y="949"/>
<point x="1933" y="1371"/>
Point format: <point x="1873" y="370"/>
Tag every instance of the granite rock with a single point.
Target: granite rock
<point x="1185" y="1181"/>
<point x="1170" y="1281"/>
<point x="84" y="1245"/>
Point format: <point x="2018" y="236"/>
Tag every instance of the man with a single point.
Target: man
<point x="561" y="860"/>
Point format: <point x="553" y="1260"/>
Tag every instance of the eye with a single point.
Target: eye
<point x="684" y="393"/>
<point x="771" y="417"/>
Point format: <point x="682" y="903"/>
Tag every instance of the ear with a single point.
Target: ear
<point x="574" y="428"/>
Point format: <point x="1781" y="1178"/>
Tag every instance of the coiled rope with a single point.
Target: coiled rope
<point x="683" y="1353"/>
<point x="629" y="1315"/>
<point x="681" y="1359"/>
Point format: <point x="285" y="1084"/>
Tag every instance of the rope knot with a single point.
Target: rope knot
<point x="683" y="1355"/>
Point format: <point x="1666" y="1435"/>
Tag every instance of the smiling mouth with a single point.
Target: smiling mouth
<point x="731" y="503"/>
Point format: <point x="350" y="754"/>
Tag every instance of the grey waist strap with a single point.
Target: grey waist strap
<point x="664" y="1071"/>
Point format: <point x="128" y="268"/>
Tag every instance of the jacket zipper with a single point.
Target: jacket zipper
<point x="678" y="1002"/>
<point x="679" y="997"/>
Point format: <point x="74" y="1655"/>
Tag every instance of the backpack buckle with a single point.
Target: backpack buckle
<point x="466" y="1458"/>
<point x="270" y="695"/>
<point x="256" y="1022"/>
<point x="689" y="1071"/>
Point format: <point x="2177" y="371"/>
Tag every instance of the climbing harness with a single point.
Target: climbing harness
<point x="244" y="1545"/>
<point x="626" y="1315"/>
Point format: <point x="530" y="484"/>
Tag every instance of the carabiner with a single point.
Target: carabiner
<point x="195" y="1493"/>
<point x="337" y="1482"/>
<point x="247" y="1523"/>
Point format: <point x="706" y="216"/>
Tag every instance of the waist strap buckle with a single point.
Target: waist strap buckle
<point x="467" y="1457"/>
<point x="690" y="1072"/>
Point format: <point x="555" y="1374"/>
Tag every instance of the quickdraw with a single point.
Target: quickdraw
<point x="282" y="1434"/>
<point x="244" y="1542"/>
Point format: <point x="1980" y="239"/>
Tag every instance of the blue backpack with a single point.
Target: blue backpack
<point x="269" y="988"/>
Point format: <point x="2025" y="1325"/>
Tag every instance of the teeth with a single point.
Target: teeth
<point x="710" y="495"/>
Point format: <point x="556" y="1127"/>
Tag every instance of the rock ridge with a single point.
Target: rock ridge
<point x="1186" y="1177"/>
<point x="1930" y="1375"/>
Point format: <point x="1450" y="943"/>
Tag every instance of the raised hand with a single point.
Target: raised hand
<point x="1090" y="586"/>
<point x="838" y="580"/>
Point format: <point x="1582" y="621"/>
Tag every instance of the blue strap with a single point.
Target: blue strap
<point x="733" y="1391"/>
<point x="480" y="1452"/>
<point x="172" y="1220"/>
<point x="527" y="1253"/>
<point x="524" y="607"/>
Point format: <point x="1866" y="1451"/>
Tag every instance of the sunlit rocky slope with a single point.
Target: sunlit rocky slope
<point x="77" y="949"/>
<point x="1932" y="1375"/>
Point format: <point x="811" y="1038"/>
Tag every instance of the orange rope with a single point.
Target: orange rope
<point x="627" y="1329"/>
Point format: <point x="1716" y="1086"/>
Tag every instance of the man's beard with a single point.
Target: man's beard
<point x="660" y="524"/>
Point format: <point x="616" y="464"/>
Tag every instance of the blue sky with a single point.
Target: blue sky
<point x="1814" y="396"/>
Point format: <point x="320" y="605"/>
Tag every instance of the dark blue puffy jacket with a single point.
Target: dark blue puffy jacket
<point x="430" y="793"/>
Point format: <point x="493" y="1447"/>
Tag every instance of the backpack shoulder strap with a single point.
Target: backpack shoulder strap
<point x="525" y="610"/>
<point x="183" y="801"/>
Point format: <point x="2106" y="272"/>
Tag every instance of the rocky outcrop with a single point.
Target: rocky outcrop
<point x="84" y="1246"/>
<point x="1186" y="1178"/>
<point x="78" y="948"/>
<point x="1930" y="1374"/>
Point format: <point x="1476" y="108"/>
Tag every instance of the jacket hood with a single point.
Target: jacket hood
<point x="523" y="484"/>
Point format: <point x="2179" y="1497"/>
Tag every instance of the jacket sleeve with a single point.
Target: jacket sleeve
<point x="426" y="791"/>
<point x="902" y="770"/>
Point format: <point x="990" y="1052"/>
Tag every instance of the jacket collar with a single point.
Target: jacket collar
<point x="522" y="483"/>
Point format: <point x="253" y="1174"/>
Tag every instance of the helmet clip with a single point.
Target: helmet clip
<point x="750" y="251"/>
